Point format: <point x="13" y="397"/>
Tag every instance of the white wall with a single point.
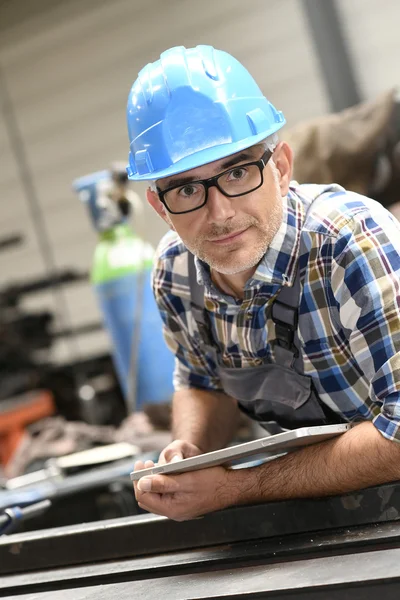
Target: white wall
<point x="69" y="66"/>
<point x="372" y="31"/>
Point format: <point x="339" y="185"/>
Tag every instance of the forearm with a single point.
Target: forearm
<point x="360" y="458"/>
<point x="207" y="419"/>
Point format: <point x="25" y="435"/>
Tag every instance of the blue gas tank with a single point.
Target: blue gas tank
<point x="121" y="275"/>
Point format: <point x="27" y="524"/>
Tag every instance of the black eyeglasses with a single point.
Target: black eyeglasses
<point x="236" y="181"/>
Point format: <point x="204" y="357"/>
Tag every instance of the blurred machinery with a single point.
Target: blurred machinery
<point x="33" y="385"/>
<point x="91" y="392"/>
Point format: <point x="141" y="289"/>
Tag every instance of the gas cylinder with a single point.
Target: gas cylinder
<point x="121" y="277"/>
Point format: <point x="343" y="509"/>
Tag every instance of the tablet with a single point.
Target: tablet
<point x="261" y="448"/>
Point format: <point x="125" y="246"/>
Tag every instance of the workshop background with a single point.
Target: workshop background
<point x="66" y="67"/>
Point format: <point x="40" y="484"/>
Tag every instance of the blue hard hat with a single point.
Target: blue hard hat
<point x="191" y="107"/>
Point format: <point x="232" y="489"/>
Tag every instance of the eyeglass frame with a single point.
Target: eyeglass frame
<point x="213" y="182"/>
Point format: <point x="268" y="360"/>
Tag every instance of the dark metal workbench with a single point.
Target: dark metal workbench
<point x="341" y="547"/>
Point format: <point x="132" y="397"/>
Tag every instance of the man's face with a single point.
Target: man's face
<point x="231" y="234"/>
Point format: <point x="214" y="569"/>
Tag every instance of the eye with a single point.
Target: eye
<point x="237" y="174"/>
<point x="188" y="190"/>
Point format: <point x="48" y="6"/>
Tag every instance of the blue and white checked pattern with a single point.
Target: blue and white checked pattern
<point x="348" y="250"/>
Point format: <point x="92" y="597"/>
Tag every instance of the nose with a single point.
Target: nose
<point x="220" y="208"/>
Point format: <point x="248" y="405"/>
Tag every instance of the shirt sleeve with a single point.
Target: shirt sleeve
<point x="195" y="367"/>
<point x="365" y="281"/>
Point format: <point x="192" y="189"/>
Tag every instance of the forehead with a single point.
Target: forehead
<point x="210" y="169"/>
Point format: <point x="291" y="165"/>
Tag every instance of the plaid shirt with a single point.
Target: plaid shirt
<point x="348" y="250"/>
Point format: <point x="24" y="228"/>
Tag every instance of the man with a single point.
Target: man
<point x="289" y="310"/>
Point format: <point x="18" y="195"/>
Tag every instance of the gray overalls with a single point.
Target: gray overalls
<point x="273" y="393"/>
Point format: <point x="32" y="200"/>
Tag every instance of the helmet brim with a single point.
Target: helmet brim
<point x="205" y="156"/>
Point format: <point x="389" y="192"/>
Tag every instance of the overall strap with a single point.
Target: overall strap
<point x="196" y="290"/>
<point x="197" y="303"/>
<point x="285" y="313"/>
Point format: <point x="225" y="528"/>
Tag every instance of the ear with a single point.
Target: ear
<point x="283" y="159"/>
<point x="154" y="201"/>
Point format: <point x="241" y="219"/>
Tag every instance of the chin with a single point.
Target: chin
<point x="233" y="265"/>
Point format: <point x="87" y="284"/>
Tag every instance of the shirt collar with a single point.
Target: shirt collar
<point x="279" y="263"/>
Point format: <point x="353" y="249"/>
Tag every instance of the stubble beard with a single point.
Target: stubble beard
<point x="231" y="262"/>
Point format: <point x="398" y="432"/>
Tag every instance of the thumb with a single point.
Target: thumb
<point x="159" y="484"/>
<point x="172" y="455"/>
<point x="176" y="457"/>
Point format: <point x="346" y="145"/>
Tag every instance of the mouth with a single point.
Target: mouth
<point x="229" y="238"/>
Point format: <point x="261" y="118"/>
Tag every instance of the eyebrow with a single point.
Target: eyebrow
<point x="233" y="160"/>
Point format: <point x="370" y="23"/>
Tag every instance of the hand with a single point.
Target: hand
<point x="187" y="495"/>
<point x="177" y="450"/>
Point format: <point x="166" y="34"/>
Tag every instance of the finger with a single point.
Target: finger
<point x="148" y="464"/>
<point x="148" y="509"/>
<point x="156" y="503"/>
<point x="190" y="450"/>
<point x="176" y="457"/>
<point x="165" y="507"/>
<point x="139" y="466"/>
<point x="186" y="450"/>
<point x="172" y="455"/>
<point x="158" y="484"/>
<point x="161" y="459"/>
<point x="141" y="493"/>
<point x="153" y="502"/>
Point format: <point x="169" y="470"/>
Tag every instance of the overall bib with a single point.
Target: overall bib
<point x="277" y="395"/>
